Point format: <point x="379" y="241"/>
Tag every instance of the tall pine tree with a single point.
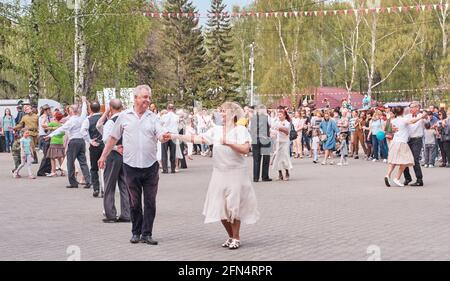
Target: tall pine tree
<point x="222" y="84"/>
<point x="184" y="45"/>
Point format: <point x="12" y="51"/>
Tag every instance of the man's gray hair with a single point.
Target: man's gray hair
<point x="141" y="88"/>
<point x="116" y="104"/>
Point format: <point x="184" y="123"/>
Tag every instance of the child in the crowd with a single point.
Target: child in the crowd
<point x="430" y="142"/>
<point x="16" y="152"/>
<point x="343" y="149"/>
<point x="27" y="150"/>
<point x="315" y="145"/>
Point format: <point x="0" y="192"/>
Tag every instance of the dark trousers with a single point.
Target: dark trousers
<point x="446" y="151"/>
<point x="94" y="154"/>
<point x="415" y="144"/>
<point x="142" y="181"/>
<point x="46" y="165"/>
<point x="170" y="145"/>
<point x="256" y="150"/>
<point x="113" y="176"/>
<point x="77" y="150"/>
<point x="443" y="152"/>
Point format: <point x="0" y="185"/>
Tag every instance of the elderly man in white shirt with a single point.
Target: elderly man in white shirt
<point x="77" y="147"/>
<point x="416" y="132"/>
<point x="170" y="122"/>
<point x="140" y="131"/>
<point x="113" y="174"/>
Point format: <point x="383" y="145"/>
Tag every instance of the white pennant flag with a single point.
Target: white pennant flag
<point x="325" y="12"/>
<point x="345" y="11"/>
<point x="446" y="6"/>
<point x="315" y="13"/>
<point x="434" y="6"/>
<point x="389" y="10"/>
<point x="267" y="15"/>
<point x="306" y="13"/>
<point x="276" y="14"/>
<point x="355" y="11"/>
<point x="295" y="14"/>
<point x="423" y="7"/>
<point x="335" y="12"/>
<point x="377" y="10"/>
<point x="285" y="14"/>
<point x="367" y="11"/>
<point x="400" y="9"/>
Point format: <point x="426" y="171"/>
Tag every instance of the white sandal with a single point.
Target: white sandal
<point x="235" y="244"/>
<point x="227" y="243"/>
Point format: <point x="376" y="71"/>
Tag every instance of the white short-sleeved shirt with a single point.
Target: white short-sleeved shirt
<point x="282" y="137"/>
<point x="402" y="135"/>
<point x="139" y="137"/>
<point x="223" y="156"/>
<point x="416" y="130"/>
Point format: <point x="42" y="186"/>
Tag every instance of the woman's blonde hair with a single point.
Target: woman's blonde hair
<point x="234" y="111"/>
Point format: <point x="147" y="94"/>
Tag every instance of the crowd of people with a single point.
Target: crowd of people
<point x="134" y="145"/>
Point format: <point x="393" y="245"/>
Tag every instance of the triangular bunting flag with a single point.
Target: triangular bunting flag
<point x="315" y="13"/>
<point x="285" y="14"/>
<point x="435" y="6"/>
<point x="295" y="14"/>
<point x="325" y="12"/>
<point x="389" y="10"/>
<point x="400" y="9"/>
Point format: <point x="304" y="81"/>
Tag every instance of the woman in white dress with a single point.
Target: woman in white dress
<point x="297" y="121"/>
<point x="230" y="197"/>
<point x="281" y="159"/>
<point x="399" y="152"/>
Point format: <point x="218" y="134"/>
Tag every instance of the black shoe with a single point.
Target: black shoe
<point x="135" y="239"/>
<point x="96" y="193"/>
<point x="165" y="172"/>
<point x="123" y="220"/>
<point x="87" y="186"/>
<point x="386" y="182"/>
<point x="148" y="240"/>
<point x="356" y="157"/>
<point x="172" y="172"/>
<point x="255" y="180"/>
<point x="407" y="182"/>
<point x="267" y="180"/>
<point x="72" y="186"/>
<point x="110" y="220"/>
<point x="417" y="183"/>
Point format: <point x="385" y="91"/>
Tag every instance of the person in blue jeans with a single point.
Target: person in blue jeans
<point x="8" y="123"/>
<point x="379" y="146"/>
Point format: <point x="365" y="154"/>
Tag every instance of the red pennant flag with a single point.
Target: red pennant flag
<point x="373" y="11"/>
<point x="406" y="8"/>
<point x="394" y="9"/>
<point x="341" y="12"/>
<point x="430" y="7"/>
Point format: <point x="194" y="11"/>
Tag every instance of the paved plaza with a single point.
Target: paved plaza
<point x="323" y="213"/>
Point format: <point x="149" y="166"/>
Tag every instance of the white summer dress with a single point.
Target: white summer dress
<point x="230" y="193"/>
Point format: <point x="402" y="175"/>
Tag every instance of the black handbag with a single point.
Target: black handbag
<point x="293" y="133"/>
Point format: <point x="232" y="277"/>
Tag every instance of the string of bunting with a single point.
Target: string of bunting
<point x="291" y="14"/>
<point x="447" y="88"/>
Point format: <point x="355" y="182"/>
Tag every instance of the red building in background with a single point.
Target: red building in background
<point x="318" y="95"/>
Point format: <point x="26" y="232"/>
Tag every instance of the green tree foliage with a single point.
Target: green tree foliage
<point x="184" y="46"/>
<point x="222" y="81"/>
